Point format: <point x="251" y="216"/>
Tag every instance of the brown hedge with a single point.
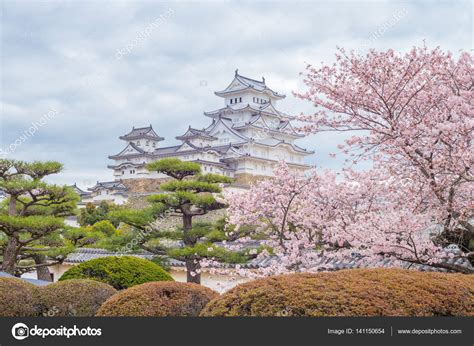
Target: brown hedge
<point x="75" y="297"/>
<point x="17" y="298"/>
<point x="357" y="292"/>
<point x="156" y="299"/>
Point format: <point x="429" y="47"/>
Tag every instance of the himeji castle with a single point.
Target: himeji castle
<point x="245" y="138"/>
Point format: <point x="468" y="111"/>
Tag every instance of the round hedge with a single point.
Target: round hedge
<point x="120" y="272"/>
<point x="76" y="297"/>
<point x="357" y="292"/>
<point x="158" y="299"/>
<point x="17" y="298"/>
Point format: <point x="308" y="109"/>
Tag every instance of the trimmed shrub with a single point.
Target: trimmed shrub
<point x="120" y="272"/>
<point x="17" y="298"/>
<point x="356" y="292"/>
<point x="104" y="227"/>
<point x="74" y="297"/>
<point x="158" y="299"/>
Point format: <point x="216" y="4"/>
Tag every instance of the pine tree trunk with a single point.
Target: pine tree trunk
<point x="191" y="267"/>
<point x="187" y="225"/>
<point x="11" y="250"/>
<point x="42" y="272"/>
<point x="9" y="256"/>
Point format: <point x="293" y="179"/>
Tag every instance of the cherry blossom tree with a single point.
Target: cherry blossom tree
<point x="413" y="116"/>
<point x="281" y="209"/>
<point x="307" y="219"/>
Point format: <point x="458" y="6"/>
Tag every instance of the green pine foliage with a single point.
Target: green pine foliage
<point x="190" y="193"/>
<point x="175" y="168"/>
<point x="92" y="214"/>
<point x="31" y="217"/>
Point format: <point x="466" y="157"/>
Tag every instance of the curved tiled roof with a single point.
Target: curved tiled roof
<point x="87" y="254"/>
<point x="116" y="185"/>
<point x="127" y="164"/>
<point x="123" y="153"/>
<point x="249" y="83"/>
<point x="142" y="132"/>
<point x="267" y="109"/>
<point x="195" y="133"/>
<point x="319" y="263"/>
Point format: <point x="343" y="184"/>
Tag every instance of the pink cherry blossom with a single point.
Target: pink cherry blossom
<point x="412" y="116"/>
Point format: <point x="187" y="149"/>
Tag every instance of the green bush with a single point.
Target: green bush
<point x="120" y="272"/>
<point x="74" y="297"/>
<point x="17" y="298"/>
<point x="92" y="214"/>
<point x="104" y="227"/>
<point x="157" y="299"/>
<point x="356" y="292"/>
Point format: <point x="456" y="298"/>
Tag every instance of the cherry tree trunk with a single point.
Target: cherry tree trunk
<point x="192" y="268"/>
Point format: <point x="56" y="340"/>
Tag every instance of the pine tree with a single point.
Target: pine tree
<point x="32" y="215"/>
<point x="187" y="195"/>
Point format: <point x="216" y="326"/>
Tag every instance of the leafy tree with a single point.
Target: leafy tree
<point x="104" y="227"/>
<point x="187" y="195"/>
<point x="32" y="215"/>
<point x="92" y="214"/>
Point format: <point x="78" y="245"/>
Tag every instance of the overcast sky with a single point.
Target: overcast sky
<point x="87" y="71"/>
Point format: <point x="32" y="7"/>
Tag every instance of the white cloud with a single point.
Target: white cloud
<point x="63" y="54"/>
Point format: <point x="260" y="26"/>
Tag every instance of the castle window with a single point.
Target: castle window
<point x="123" y="172"/>
<point x="153" y="144"/>
<point x="231" y="101"/>
<point x="240" y="99"/>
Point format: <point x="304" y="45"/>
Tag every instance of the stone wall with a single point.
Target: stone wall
<point x="152" y="185"/>
<point x="246" y="179"/>
<point x="143" y="185"/>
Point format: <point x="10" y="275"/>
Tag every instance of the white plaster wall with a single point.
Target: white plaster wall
<point x="217" y="282"/>
<point x="117" y="199"/>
